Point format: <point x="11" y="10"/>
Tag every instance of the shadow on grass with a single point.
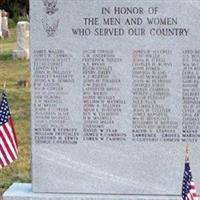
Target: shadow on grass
<point x="6" y="56"/>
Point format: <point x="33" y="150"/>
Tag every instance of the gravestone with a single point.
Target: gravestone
<point x="4" y="24"/>
<point x="115" y="99"/>
<point x="22" y="51"/>
<point x="1" y="34"/>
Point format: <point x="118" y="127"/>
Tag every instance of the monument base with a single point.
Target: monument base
<point x="20" y="54"/>
<point x="19" y="191"/>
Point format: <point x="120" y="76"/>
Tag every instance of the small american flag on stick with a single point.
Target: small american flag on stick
<point x="8" y="141"/>
<point x="188" y="188"/>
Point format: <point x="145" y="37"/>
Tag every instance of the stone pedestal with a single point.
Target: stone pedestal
<point x="22" y="51"/>
<point x="20" y="191"/>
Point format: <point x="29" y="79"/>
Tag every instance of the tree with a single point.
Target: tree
<point x="15" y="8"/>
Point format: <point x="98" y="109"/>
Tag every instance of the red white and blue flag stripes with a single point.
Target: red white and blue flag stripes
<point x="188" y="187"/>
<point x="8" y="141"/>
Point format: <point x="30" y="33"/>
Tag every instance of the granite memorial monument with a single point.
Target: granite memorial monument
<point x="115" y="99"/>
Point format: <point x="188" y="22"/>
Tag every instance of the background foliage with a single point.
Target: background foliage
<point x="17" y="9"/>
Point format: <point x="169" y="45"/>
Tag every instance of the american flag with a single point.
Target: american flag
<point x="8" y="141"/>
<point x="188" y="188"/>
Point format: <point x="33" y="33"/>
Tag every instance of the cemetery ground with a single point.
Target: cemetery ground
<point x="19" y="102"/>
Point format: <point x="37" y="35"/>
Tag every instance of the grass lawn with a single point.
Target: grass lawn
<point x="19" y="102"/>
<point x="7" y="45"/>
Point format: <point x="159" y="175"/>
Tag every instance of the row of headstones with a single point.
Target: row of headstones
<point x="22" y="50"/>
<point x="4" y="31"/>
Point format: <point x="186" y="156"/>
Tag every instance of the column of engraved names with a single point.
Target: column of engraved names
<point x="102" y="105"/>
<point x="51" y="114"/>
<point x="151" y="88"/>
<point x="191" y="95"/>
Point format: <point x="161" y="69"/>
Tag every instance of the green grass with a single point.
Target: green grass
<point x="9" y="44"/>
<point x="19" y="102"/>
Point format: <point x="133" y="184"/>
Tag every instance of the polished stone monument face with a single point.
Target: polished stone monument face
<point x="115" y="95"/>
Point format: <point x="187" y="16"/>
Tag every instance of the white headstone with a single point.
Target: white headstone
<point x="1" y="34"/>
<point x="5" y="29"/>
<point x="22" y="51"/>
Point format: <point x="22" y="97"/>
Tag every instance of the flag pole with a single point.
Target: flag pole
<point x="187" y="153"/>
<point x="4" y="85"/>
